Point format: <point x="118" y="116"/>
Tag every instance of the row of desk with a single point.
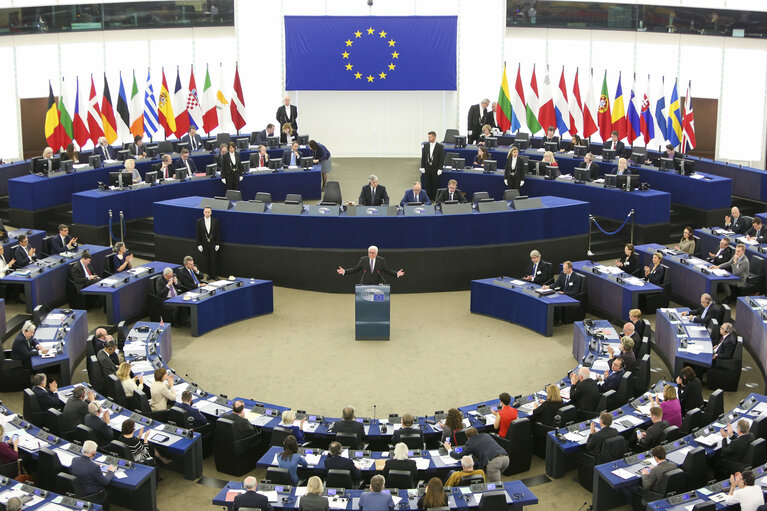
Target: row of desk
<point x="36" y="499"/>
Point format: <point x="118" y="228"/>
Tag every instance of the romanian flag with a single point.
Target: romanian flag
<point x="619" y="112"/>
<point x="674" y="125"/>
<point x="108" y="114"/>
<point x="52" y="123"/>
<point x="504" y="105"/>
<point x="165" y="109"/>
<point x="604" y="117"/>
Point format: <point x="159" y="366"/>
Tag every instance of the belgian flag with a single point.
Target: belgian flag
<point x="52" y="122"/>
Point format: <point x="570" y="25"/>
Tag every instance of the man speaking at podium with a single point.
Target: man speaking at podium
<point x="372" y="268"/>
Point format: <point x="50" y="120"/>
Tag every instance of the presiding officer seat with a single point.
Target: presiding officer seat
<point x="332" y="194"/>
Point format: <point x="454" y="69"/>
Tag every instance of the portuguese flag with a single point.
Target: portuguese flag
<point x="604" y="117"/>
<point x="503" y="112"/>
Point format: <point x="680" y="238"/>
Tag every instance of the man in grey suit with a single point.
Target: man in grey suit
<point x="104" y="358"/>
<point x="739" y="267"/>
<point x="651" y="478"/>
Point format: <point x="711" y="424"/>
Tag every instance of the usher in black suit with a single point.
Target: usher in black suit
<point x="208" y="241"/>
<point x="375" y="276"/>
<point x="432" y="162"/>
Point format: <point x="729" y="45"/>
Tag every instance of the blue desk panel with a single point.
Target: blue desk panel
<point x="72" y="332"/>
<point x="35" y="241"/>
<point x="668" y="342"/>
<point x="515" y="305"/>
<point x="559" y="218"/>
<point x="747" y="182"/>
<point x="709" y="242"/>
<point x="10" y="171"/>
<point x="750" y="324"/>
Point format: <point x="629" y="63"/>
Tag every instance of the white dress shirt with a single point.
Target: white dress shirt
<point x="749" y="498"/>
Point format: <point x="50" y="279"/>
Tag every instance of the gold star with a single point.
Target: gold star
<point x="382" y="75"/>
<point x="370" y="78"/>
<point x="345" y="54"/>
<point x="370" y="31"/>
<point x="382" y="34"/>
<point x="391" y="67"/>
<point x="357" y="75"/>
<point x="358" y="34"/>
<point x="349" y="67"/>
<point x="348" y="42"/>
<point x="395" y="55"/>
<point x="392" y="42"/>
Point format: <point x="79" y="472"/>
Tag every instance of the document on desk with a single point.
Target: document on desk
<point x="141" y="367"/>
<point x="760" y="408"/>
<point x="634" y="281"/>
<point x="623" y="473"/>
<point x="339" y="503"/>
<point x="363" y="463"/>
<point x="699" y="348"/>
<point x="139" y="270"/>
<point x="448" y="460"/>
<point x="720" y="272"/>
<point x="16" y="492"/>
<point x="312" y="459"/>
<point x="53" y="506"/>
<point x="116" y="422"/>
<point x="65" y="457"/>
<point x="54" y="319"/>
<point x="423" y="463"/>
<point x="565" y="393"/>
<point x="717" y="497"/>
<point x="679" y="455"/>
<point x="258" y="419"/>
<point x="721" y="231"/>
<point x="271" y="495"/>
<point x="600" y="365"/>
<point x="612" y="270"/>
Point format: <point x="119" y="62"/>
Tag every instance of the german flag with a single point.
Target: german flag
<point x="52" y="122"/>
<point x="108" y="114"/>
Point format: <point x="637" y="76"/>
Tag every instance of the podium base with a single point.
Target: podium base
<point x="371" y="331"/>
<point x="371" y="313"/>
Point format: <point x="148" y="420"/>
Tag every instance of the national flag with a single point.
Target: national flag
<point x="179" y="107"/>
<point x="94" y="116"/>
<point x="81" y="134"/>
<point x="223" y="106"/>
<point x="209" y="116"/>
<point x="67" y="132"/>
<point x="546" y="115"/>
<point x="674" y="126"/>
<point x="136" y="110"/>
<point x="531" y="107"/>
<point x="193" y="105"/>
<point x="590" y="109"/>
<point x="604" y="116"/>
<point x="646" y="123"/>
<point x="237" y="107"/>
<point x="518" y="112"/>
<point x="503" y="112"/>
<point x="633" y="124"/>
<point x="123" y="115"/>
<point x="151" y="119"/>
<point x="688" y="122"/>
<point x="660" y="110"/>
<point x="52" y="124"/>
<point x="165" y="109"/>
<point x="561" y="106"/>
<point x="576" y="107"/>
<point x="619" y="112"/>
<point x="108" y="114"/>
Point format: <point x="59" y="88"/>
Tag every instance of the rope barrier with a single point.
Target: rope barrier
<point x="615" y="231"/>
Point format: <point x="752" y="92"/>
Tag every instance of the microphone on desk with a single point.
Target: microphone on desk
<point x="557" y="425"/>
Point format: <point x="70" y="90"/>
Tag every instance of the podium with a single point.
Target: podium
<point x="372" y="310"/>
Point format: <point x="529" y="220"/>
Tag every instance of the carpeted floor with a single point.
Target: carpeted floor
<point x="440" y="355"/>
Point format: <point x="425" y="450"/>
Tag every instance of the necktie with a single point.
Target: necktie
<point x="87" y="271"/>
<point x="372" y="265"/>
<point x="451" y="195"/>
<point x="567" y="280"/>
<point x="172" y="291"/>
<point x="194" y="277"/>
<point x="373" y="196"/>
<point x="535" y="267"/>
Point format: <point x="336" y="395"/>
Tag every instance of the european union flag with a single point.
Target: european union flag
<point x="370" y="53"/>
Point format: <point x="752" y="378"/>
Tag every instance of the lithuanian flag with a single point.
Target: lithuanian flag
<point x="503" y="112"/>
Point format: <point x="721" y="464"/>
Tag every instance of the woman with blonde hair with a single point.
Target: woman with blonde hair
<point x="545" y="412"/>
<point x="672" y="408"/>
<point x="313" y="500"/>
<point x="129" y="384"/>
<point x="287" y="134"/>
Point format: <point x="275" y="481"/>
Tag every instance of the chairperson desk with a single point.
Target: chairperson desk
<point x="461" y="497"/>
<point x="687" y="279"/>
<point x="39" y="500"/>
<point x="90" y="209"/>
<point x="681" y="342"/>
<point x="31" y="195"/>
<point x="223" y="302"/>
<point x="710" y="238"/>
<point x="612" y="292"/>
<point x="45" y="280"/>
<point x="132" y="487"/>
<point x="431" y="248"/>
<point x="616" y="479"/>
<point x="751" y="324"/>
<point x="125" y="293"/>
<point x="518" y="302"/>
<point x="63" y="332"/>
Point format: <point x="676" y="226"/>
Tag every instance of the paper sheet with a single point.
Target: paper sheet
<point x="623" y="473"/>
<point x="313" y="459"/>
<point x="337" y="503"/>
<point x="422" y="463"/>
<point x="448" y="460"/>
<point x="271" y="495"/>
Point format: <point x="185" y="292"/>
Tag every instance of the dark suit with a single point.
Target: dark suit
<point x="106" y="363"/>
<point x="367" y="198"/>
<point x="106" y="152"/>
<point x="571" y="286"/>
<point x="726" y="348"/>
<point x="286" y="157"/>
<point x="585" y="395"/>
<point x="444" y="196"/>
<point x="474" y="123"/>
<point x="411" y="197"/>
<point x="102" y="429"/>
<point x="546" y="412"/>
<point x="353" y="427"/>
<point x="74" y="412"/>
<point x="208" y="240"/>
<point x="99" y="345"/>
<point x="432" y="162"/>
<point x="181" y="164"/>
<point x="407" y="465"/>
<point x="639" y="327"/>
<point x="80" y="277"/>
<point x="737" y="225"/>
<point x="656" y="275"/>
<point x="47" y="399"/>
<point x="735" y="449"/>
<point x="541" y="274"/>
<point x="22" y="257"/>
<point x="654" y="435"/>
<point x="58" y="245"/>
<point x="618" y="146"/>
<point x="597" y="439"/>
<point x="630" y="263"/>
<point x="162" y="291"/>
<point x="282" y="117"/>
<point x="230" y="171"/>
<point x="514" y="173"/>
<point x="136" y="151"/>
<point x="552" y="139"/>
<point x="704" y="316"/>
<point x="593" y="170"/>
<point x="395" y="438"/>
<point x="89" y="475"/>
<point x="262" y="137"/>
<point x="199" y="418"/>
<point x="723" y="257"/>
<point x="341" y="463"/>
<point x="195" y="143"/>
<point x="375" y="276"/>
<point x="186" y="278"/>
<point x="691" y="395"/>
<point x="241" y="424"/>
<point x="758" y="235"/>
<point x="612" y="382"/>
<point x="251" y="499"/>
<point x="23" y="350"/>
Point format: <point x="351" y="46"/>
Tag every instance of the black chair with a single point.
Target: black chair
<point x="234" y="454"/>
<point x="39" y="313"/>
<point x="517" y="445"/>
<point x="510" y="194"/>
<point x="264" y="197"/>
<point x="118" y="449"/>
<point x="449" y="156"/>
<point x="336" y="478"/>
<point x="714" y="407"/>
<point x="223" y="138"/>
<point x="612" y="449"/>
<point x="84" y="433"/>
<point x="711" y="506"/>
<point x="479" y="196"/>
<point x="672" y="481"/>
<point x="648" y="331"/>
<point x="756" y="454"/>
<point x="493" y="501"/>
<point x="116" y="393"/>
<point x="648" y="303"/>
<point x="642" y="378"/>
<point x="9" y="470"/>
<point x="96" y="376"/>
<point x="400" y="479"/>
<point x="672" y="433"/>
<point x="57" y="424"/>
<point x="75" y="299"/>
<point x="725" y="374"/>
<point x="68" y="484"/>
<point x="713" y="331"/>
<point x="332" y="193"/>
<point x="472" y="479"/>
<point x="693" y="419"/>
<point x="725" y="314"/>
<point x="48" y="467"/>
<point x="625" y="390"/>
<point x="13" y="375"/>
<point x="235" y="195"/>
<point x="755" y="279"/>
<point x="413" y="440"/>
<point x="349" y="440"/>
<point x="156" y="302"/>
<point x="460" y="437"/>
<point x="278" y="476"/>
<point x="450" y="135"/>
<point x="279" y="434"/>
<point x="696" y="468"/>
<point x="759" y="427"/>
<point x="606" y="402"/>
<point x="31" y="409"/>
<point x="293" y="198"/>
<point x="540" y="431"/>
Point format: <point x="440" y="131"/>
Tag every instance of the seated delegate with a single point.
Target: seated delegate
<point x="482" y="155"/>
<point x="655" y="274"/>
<point x="739" y="266"/>
<point x="291" y="157"/>
<point x="630" y="261"/>
<point x="687" y="243"/>
<point x="63" y="242"/>
<point x="538" y="271"/>
<point x="415" y="195"/>
<point x="588" y="164"/>
<point x="186" y="163"/>
<point x="121" y="260"/>
<point x="373" y="194"/>
<point x="450" y="194"/>
<point x="546" y="411"/>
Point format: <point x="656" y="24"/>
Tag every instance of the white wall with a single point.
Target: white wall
<point x="729" y="69"/>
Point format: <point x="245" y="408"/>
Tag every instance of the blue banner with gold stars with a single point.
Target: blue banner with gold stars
<point x="370" y="52"/>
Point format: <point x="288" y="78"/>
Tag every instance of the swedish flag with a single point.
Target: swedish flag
<point x="674" y="124"/>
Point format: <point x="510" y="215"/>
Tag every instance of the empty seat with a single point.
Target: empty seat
<point x="293" y="198"/>
<point x="400" y="479"/>
<point x="339" y="479"/>
<point x="518" y="446"/>
<point x="278" y="476"/>
<point x="235" y="195"/>
<point x="264" y="197"/>
<point x="332" y="193"/>
<point x="31" y="409"/>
